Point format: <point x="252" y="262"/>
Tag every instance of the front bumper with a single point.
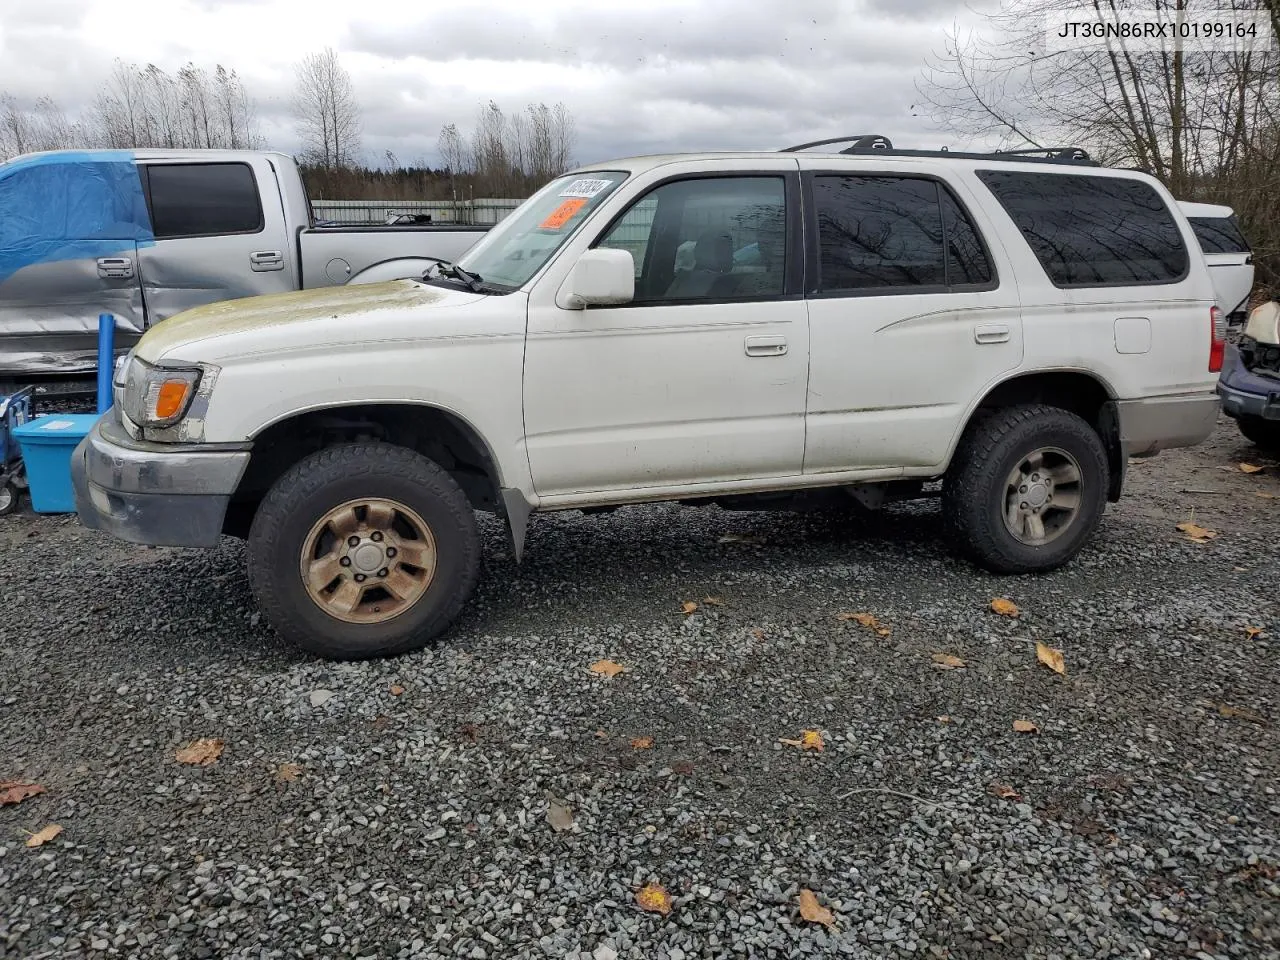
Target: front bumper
<point x="1153" y="424"/>
<point x="161" y="494"/>
<point x="1246" y="394"/>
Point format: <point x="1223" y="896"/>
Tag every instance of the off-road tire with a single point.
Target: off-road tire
<point x="1264" y="434"/>
<point x="332" y="477"/>
<point x="973" y="493"/>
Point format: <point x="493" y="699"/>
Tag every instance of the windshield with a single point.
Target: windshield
<point x="518" y="246"/>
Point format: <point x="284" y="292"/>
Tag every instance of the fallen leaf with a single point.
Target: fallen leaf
<point x="11" y="791"/>
<point x="654" y="899"/>
<point x="40" y="838"/>
<point x="642" y="743"/>
<point x="200" y="753"/>
<point x="1267" y="496"/>
<point x="947" y="661"/>
<point x="1006" y="608"/>
<point x="809" y="740"/>
<point x="688" y="607"/>
<point x="1251" y="632"/>
<point x="713" y="601"/>
<point x="1241" y="713"/>
<point x="867" y="620"/>
<point x="1251" y="468"/>
<point x="559" y="815"/>
<point x="1196" y="533"/>
<point x="396" y="690"/>
<point x="1003" y="791"/>
<point x="813" y="911"/>
<point x="607" y="668"/>
<point x="1051" y="658"/>
<point x="1025" y="726"/>
<point x="470" y="731"/>
<point x="602" y="735"/>
<point x="758" y="633"/>
<point x="944" y="719"/>
<point x="288" y="772"/>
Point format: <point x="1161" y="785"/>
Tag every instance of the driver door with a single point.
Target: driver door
<point x="701" y="379"/>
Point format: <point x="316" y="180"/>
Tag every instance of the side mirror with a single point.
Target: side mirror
<point x="601" y="277"/>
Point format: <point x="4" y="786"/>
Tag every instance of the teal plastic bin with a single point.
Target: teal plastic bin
<point x="47" y="443"/>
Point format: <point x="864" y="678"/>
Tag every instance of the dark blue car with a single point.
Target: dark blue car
<point x="1249" y="384"/>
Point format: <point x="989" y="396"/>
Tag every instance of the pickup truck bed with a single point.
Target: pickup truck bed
<point x="332" y="255"/>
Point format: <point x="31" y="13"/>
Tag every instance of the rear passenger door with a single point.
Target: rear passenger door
<point x="913" y="312"/>
<point x="219" y="231"/>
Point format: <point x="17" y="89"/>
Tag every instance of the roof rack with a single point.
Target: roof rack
<point x="865" y="143"/>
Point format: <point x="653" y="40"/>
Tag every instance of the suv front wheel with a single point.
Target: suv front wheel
<point x="363" y="550"/>
<point x="1026" y="489"/>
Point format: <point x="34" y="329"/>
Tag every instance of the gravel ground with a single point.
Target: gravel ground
<point x="1146" y="821"/>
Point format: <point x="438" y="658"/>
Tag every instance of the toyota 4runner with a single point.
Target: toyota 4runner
<point x="732" y="328"/>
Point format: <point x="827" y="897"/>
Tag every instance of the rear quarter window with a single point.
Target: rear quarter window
<point x="1091" y="231"/>
<point x="1219" y="235"/>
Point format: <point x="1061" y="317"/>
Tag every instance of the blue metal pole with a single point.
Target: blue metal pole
<point x="106" y="359"/>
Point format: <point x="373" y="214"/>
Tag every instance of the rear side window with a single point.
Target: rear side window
<point x="203" y="199"/>
<point x="894" y="235"/>
<point x="1091" y="231"/>
<point x="1219" y="235"/>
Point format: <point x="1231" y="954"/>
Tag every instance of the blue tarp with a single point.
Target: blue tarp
<point x="61" y="206"/>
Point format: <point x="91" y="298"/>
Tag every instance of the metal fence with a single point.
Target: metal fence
<point x="353" y="212"/>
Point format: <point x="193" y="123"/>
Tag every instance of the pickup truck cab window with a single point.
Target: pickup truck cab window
<point x="1091" y="231"/>
<point x="706" y="239"/>
<point x="518" y="247"/>
<point x="203" y="199"/>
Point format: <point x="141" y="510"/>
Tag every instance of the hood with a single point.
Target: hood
<point x="335" y="314"/>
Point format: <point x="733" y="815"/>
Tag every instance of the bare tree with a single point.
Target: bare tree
<point x="1208" y="125"/>
<point x="326" y="110"/>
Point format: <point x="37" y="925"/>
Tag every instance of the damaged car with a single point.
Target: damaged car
<point x="1250" y="381"/>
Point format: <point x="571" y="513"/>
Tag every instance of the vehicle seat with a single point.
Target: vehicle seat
<point x="712" y="259"/>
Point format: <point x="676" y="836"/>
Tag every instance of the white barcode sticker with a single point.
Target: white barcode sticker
<point x="58" y="425"/>
<point x="585" y="188"/>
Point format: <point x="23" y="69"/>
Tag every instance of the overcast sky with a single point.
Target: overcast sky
<point x="638" y="75"/>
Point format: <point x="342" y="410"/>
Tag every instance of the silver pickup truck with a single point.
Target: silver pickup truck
<point x="146" y="234"/>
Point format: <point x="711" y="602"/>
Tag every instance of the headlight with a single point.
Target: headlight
<point x="158" y="396"/>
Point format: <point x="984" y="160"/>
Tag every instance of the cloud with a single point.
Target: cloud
<point x="638" y="76"/>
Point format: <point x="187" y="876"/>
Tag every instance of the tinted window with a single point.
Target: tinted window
<point x="197" y="199"/>
<point x="878" y="232"/>
<point x="1219" y="235"/>
<point x="714" y="239"/>
<point x="967" y="263"/>
<point x="1092" y="231"/>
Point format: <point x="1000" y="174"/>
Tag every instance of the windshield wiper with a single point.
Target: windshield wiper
<point x="472" y="281"/>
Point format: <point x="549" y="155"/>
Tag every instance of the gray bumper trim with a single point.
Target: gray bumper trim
<point x="160" y="494"/>
<point x="1239" y="403"/>
<point x="1159" y="423"/>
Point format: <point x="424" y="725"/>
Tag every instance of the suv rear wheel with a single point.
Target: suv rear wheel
<point x="1026" y="489"/>
<point x="363" y="550"/>
<point x="1263" y="433"/>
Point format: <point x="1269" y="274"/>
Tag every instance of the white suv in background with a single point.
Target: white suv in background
<point x="735" y="328"/>
<point x="1227" y="252"/>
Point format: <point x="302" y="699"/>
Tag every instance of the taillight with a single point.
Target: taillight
<point x="1217" y="339"/>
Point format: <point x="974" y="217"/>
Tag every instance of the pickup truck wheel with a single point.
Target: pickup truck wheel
<point x="1262" y="433"/>
<point x="1027" y="488"/>
<point x="363" y="550"/>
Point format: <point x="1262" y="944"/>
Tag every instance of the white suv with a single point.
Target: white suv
<point x="733" y="327"/>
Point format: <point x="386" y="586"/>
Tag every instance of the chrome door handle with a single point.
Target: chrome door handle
<point x="991" y="333"/>
<point x="265" y="260"/>
<point x="766" y="346"/>
<point x="115" y="268"/>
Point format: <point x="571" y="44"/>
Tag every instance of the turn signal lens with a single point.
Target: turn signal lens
<point x="172" y="398"/>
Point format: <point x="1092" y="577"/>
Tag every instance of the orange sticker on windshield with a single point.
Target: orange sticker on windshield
<point x="563" y="213"/>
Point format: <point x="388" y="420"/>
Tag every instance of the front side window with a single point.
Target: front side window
<point x="1091" y="231"/>
<point x="894" y="235"/>
<point x="512" y="252"/>
<point x="203" y="199"/>
<point x="1219" y="235"/>
<point x="707" y="239"/>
